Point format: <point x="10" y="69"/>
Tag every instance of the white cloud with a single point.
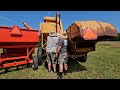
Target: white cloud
<point x="5" y="18"/>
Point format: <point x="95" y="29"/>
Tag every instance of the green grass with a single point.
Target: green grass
<point x="104" y="63"/>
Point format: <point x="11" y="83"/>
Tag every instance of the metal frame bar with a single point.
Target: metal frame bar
<point x="15" y="63"/>
<point x="18" y="46"/>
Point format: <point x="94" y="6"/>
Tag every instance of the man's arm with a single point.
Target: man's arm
<point x="58" y="49"/>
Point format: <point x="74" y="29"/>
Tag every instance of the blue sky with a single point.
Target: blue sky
<point x="33" y="18"/>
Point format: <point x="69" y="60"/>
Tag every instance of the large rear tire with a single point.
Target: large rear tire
<point x="35" y="63"/>
<point x="39" y="56"/>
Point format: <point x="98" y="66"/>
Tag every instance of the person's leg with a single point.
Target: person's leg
<point x="54" y="62"/>
<point x="49" y="67"/>
<point x="54" y="67"/>
<point x="49" y="61"/>
<point x="60" y="61"/>
<point x="65" y="64"/>
<point x="66" y="68"/>
<point x="61" y="67"/>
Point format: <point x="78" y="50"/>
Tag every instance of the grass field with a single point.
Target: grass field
<point x="104" y="63"/>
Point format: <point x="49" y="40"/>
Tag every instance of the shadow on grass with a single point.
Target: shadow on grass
<point x="75" y="66"/>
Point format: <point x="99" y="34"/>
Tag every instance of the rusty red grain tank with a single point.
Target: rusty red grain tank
<point x="91" y="30"/>
<point x="83" y="36"/>
<point x="17" y="46"/>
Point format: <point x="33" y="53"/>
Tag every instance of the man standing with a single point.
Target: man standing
<point x="63" y="55"/>
<point x="52" y="41"/>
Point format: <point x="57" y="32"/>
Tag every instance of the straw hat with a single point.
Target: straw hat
<point x="52" y="34"/>
<point x="64" y="35"/>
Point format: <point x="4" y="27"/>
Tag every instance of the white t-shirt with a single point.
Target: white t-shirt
<point x="52" y="44"/>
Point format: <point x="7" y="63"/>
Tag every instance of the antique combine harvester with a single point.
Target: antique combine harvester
<point x="17" y="45"/>
<point x="82" y="36"/>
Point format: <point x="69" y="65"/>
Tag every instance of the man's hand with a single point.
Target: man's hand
<point x="56" y="55"/>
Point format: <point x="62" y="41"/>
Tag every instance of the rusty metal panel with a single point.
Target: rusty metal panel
<point x="47" y="27"/>
<point x="109" y="29"/>
<point x="77" y="28"/>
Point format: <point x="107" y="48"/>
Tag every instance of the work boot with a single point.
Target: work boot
<point x="60" y="76"/>
<point x="54" y="71"/>
<point x="49" y="70"/>
<point x="65" y="72"/>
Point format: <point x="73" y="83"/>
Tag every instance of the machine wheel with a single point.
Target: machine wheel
<point x="82" y="59"/>
<point x="35" y="63"/>
<point x="39" y="55"/>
